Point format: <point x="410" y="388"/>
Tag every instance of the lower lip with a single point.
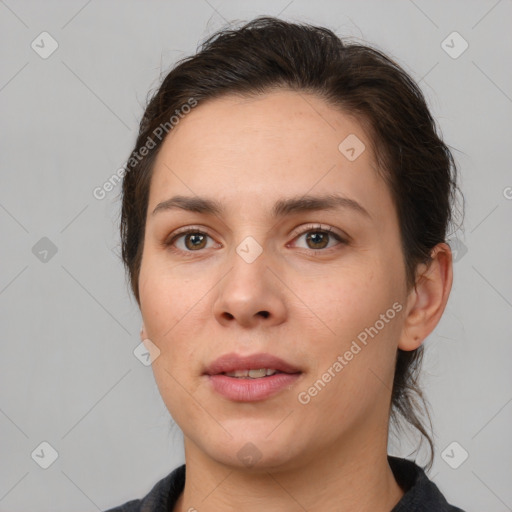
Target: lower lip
<point x="252" y="390"/>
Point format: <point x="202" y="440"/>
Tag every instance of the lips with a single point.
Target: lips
<point x="232" y="362"/>
<point x="250" y="379"/>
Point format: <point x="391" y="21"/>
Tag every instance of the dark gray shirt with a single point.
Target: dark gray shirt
<point x="421" y="494"/>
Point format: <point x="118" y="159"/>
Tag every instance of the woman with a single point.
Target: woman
<point x="284" y="216"/>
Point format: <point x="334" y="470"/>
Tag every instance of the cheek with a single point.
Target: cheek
<point x="172" y="318"/>
<point x="167" y="291"/>
<point x="350" y="305"/>
<point x="171" y="308"/>
<point x="344" y="299"/>
<point x="353" y="315"/>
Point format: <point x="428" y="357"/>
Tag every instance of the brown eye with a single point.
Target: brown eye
<point x="195" y="240"/>
<point x="191" y="240"/>
<point x="318" y="239"/>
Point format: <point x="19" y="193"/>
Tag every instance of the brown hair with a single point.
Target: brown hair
<point x="269" y="53"/>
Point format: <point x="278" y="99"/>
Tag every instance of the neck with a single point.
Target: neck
<point x="355" y="477"/>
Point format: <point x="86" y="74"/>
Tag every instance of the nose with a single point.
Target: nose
<point x="250" y="294"/>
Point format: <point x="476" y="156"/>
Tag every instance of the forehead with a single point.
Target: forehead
<point x="283" y="143"/>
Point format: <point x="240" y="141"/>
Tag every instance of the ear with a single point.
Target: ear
<point x="143" y="334"/>
<point x="427" y="300"/>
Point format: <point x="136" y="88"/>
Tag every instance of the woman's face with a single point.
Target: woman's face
<point x="263" y="276"/>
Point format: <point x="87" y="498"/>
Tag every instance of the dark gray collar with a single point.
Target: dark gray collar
<point x="421" y="494"/>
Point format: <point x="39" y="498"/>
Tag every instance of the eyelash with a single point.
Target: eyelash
<point x="312" y="228"/>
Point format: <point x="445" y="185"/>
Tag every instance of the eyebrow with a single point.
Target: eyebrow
<point x="282" y="207"/>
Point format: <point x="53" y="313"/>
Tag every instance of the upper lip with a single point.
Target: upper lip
<point x="232" y="362"/>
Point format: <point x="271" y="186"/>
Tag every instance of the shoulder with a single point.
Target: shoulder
<point x="161" y="498"/>
<point x="129" y="506"/>
<point x="421" y="494"/>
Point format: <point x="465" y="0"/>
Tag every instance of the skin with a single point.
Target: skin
<point x="301" y="304"/>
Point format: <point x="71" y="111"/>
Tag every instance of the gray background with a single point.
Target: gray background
<point x="68" y="375"/>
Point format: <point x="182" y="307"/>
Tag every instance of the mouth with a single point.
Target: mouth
<point x="254" y="366"/>
<point x="252" y="374"/>
<point x="252" y="378"/>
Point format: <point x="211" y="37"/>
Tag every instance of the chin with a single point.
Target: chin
<point x="254" y="450"/>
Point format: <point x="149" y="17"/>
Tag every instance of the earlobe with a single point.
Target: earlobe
<point x="143" y="333"/>
<point x="428" y="299"/>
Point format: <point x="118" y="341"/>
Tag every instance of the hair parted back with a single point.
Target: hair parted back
<point x="267" y="54"/>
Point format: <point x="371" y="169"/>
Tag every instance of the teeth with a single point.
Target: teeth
<point x="252" y="374"/>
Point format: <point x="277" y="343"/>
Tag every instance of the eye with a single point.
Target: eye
<point x="190" y="240"/>
<point x="318" y="238"/>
